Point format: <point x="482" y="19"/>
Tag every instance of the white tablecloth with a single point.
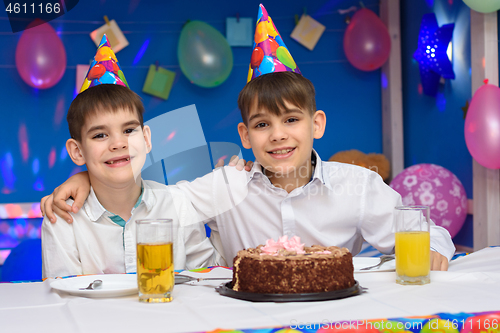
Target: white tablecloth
<point x="472" y="284"/>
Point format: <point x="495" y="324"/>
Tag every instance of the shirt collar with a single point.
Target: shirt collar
<point x="95" y="209"/>
<point x="318" y="170"/>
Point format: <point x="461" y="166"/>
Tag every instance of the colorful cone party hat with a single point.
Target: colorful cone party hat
<point x="105" y="68"/>
<point x="270" y="53"/>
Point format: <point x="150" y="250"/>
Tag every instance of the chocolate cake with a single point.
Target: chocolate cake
<point x="279" y="268"/>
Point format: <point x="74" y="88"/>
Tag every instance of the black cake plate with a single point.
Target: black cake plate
<point x="226" y="289"/>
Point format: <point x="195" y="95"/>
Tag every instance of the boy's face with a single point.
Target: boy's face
<point x="282" y="144"/>
<point x="113" y="147"/>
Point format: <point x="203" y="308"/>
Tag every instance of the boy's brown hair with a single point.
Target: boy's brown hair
<point x="270" y="91"/>
<point x="101" y="98"/>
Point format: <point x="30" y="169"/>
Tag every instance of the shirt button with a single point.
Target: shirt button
<point x="130" y="260"/>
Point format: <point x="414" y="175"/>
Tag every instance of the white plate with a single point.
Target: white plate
<point x="360" y="262"/>
<point x="113" y="285"/>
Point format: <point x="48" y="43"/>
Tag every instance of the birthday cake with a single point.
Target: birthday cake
<point x="287" y="266"/>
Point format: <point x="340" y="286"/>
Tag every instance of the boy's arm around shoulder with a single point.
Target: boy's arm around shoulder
<point x="216" y="192"/>
<point x="59" y="250"/>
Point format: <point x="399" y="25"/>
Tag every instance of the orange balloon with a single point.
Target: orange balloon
<point x="271" y="30"/>
<point x="105" y="53"/>
<point x="261" y="32"/>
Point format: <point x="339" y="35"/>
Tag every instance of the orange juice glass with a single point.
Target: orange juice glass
<point x="412" y="241"/>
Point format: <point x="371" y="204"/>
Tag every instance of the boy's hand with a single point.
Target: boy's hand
<point x="438" y="262"/>
<point x="235" y="161"/>
<point x="77" y="187"/>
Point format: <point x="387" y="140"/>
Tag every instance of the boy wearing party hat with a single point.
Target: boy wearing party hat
<point x="108" y="136"/>
<point x="290" y="190"/>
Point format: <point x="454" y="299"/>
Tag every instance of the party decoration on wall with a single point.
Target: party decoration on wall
<point x="40" y="56"/>
<point x="433" y="61"/>
<point x="482" y="131"/>
<point x="239" y="31"/>
<point x="367" y="43"/>
<point x="205" y="57"/>
<point x="483" y="6"/>
<point x="158" y="82"/>
<point x="115" y="36"/>
<point x="105" y="68"/>
<point x="308" y="31"/>
<point x="270" y="53"/>
<point x="434" y="186"/>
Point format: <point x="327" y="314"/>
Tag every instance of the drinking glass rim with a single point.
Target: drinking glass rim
<point x="154" y="221"/>
<point x="412" y="207"/>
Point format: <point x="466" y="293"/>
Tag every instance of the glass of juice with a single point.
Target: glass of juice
<point x="155" y="260"/>
<point x="413" y="262"/>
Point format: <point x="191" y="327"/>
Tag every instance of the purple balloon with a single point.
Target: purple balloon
<point x="482" y="126"/>
<point x="434" y="186"/>
<point x="367" y="43"/>
<point x="40" y="56"/>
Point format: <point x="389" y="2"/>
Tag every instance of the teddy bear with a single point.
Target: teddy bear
<point x="375" y="162"/>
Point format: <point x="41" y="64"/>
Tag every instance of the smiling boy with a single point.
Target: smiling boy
<point x="109" y="137"/>
<point x="290" y="190"/>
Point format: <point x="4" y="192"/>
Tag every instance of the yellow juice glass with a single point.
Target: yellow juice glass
<point x="155" y="260"/>
<point x="412" y="242"/>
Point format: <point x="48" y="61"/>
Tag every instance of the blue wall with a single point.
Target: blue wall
<point x="344" y="93"/>
<point x="433" y="127"/>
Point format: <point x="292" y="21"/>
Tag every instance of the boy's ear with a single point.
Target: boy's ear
<point x="147" y="137"/>
<point x="243" y="132"/>
<point x="319" y="124"/>
<point x="74" y="152"/>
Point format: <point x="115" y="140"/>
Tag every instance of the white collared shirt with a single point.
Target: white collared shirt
<point x="94" y="244"/>
<point x="342" y="205"/>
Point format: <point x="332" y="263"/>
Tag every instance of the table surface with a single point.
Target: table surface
<point x="472" y="284"/>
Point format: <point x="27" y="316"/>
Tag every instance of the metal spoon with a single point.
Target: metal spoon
<point x="383" y="259"/>
<point x="93" y="285"/>
<point x="179" y="278"/>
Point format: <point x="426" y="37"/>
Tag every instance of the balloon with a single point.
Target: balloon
<point x="257" y="56"/>
<point x="279" y="41"/>
<point x="482" y="126"/>
<point x="261" y="32"/>
<point x="434" y="186"/>
<point x="250" y="73"/>
<point x="483" y="6"/>
<point x="105" y="53"/>
<point x="40" y="56"/>
<point x="269" y="46"/>
<point x="367" y="43"/>
<point x="205" y="56"/>
<point x="96" y="72"/>
<point x="85" y="85"/>
<point x="285" y="57"/>
<point x="278" y="66"/>
<point x="267" y="65"/>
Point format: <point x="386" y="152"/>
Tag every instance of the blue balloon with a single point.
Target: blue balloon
<point x="279" y="40"/>
<point x="107" y="78"/>
<point x="267" y="65"/>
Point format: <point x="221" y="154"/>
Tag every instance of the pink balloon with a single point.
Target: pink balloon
<point x="434" y="186"/>
<point x="367" y="43"/>
<point x="482" y="126"/>
<point x="40" y="56"/>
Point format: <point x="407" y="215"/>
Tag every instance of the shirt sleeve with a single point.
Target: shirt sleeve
<point x="59" y="250"/>
<point x="377" y="219"/>
<point x="193" y="241"/>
